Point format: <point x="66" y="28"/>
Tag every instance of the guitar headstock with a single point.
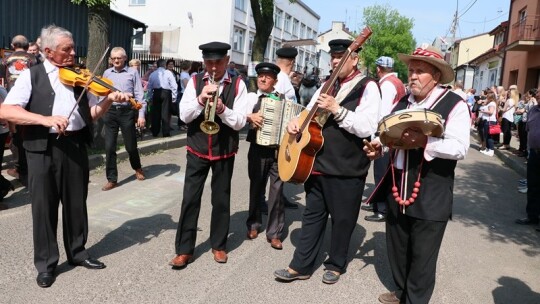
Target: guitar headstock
<point x="362" y="37"/>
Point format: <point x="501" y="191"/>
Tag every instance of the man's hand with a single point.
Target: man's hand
<point x="373" y="149"/>
<point x="292" y="127"/>
<point x="141" y="122"/>
<point x="208" y="92"/>
<point x="414" y="138"/>
<point x="328" y="102"/>
<point x="256" y="119"/>
<point x="119" y="97"/>
<point x="57" y="122"/>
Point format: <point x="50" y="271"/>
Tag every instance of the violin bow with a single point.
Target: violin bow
<point x="85" y="88"/>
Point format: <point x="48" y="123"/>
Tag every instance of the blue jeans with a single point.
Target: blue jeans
<point x="487" y="136"/>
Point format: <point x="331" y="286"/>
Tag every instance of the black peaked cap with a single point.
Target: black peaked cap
<point x="267" y="67"/>
<point x="340" y="45"/>
<point x="214" y="50"/>
<point x="287" y="52"/>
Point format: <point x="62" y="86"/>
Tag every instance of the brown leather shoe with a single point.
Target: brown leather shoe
<point x="139" y="174"/>
<point x="252" y="234"/>
<point x="181" y="260"/>
<point x="275" y="243"/>
<point x="389" y="298"/>
<point x="109" y="185"/>
<point x="220" y="256"/>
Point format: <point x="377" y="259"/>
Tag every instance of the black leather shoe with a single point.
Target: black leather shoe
<point x="367" y="207"/>
<point x="330" y="277"/>
<point x="538" y="229"/>
<point x="45" y="279"/>
<point x="376" y="217"/>
<point x="527" y="221"/>
<point x="286" y="276"/>
<point x="90" y="264"/>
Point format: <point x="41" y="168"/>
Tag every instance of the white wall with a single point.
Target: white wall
<point x="212" y="20"/>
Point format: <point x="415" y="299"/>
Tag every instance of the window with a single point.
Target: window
<point x="295" y="27"/>
<point x="251" y="38"/>
<point x="238" y="39"/>
<point x="138" y="41"/>
<point x="278" y="14"/>
<point x="303" y="31"/>
<point x="137" y="2"/>
<point x="240" y="4"/>
<point x="287" y="24"/>
<point x="277" y="45"/>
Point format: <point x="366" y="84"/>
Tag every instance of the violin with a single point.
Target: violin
<point x="98" y="86"/>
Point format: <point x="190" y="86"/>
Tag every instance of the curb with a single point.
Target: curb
<point x="513" y="162"/>
<point x="145" y="147"/>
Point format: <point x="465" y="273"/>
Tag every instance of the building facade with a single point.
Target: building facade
<point x="522" y="59"/>
<point x="177" y="28"/>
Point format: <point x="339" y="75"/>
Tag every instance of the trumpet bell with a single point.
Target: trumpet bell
<point x="209" y="127"/>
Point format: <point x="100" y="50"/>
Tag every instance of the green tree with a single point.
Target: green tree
<point x="263" y="16"/>
<point x="99" y="17"/>
<point x="391" y="35"/>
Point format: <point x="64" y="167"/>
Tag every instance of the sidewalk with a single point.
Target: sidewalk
<point x="518" y="164"/>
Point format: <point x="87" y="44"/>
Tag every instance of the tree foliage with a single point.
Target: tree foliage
<point x="92" y="3"/>
<point x="392" y="34"/>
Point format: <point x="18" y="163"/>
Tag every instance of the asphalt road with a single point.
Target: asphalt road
<point x="485" y="257"/>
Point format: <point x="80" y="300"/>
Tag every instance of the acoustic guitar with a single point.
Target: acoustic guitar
<point x="297" y="152"/>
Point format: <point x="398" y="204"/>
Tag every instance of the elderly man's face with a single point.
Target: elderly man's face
<point x="266" y="82"/>
<point x="423" y="77"/>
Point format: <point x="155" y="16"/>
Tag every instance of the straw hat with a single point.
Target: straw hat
<point x="433" y="56"/>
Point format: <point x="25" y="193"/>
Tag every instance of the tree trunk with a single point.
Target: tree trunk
<point x="99" y="17"/>
<point x="263" y="15"/>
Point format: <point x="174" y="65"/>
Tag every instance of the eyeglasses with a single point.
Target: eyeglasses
<point x="117" y="58"/>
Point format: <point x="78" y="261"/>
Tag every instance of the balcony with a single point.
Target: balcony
<point x="525" y="35"/>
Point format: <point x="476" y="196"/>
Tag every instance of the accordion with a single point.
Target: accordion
<point x="276" y="115"/>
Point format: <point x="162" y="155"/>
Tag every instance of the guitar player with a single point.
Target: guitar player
<point x="336" y="183"/>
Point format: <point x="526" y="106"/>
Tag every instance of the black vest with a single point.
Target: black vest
<point x="342" y="153"/>
<point x="225" y="142"/>
<point x="35" y="137"/>
<point x="434" y="201"/>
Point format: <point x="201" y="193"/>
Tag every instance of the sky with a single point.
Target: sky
<point x="432" y="18"/>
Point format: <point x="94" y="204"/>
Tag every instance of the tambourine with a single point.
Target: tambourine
<point x="392" y="126"/>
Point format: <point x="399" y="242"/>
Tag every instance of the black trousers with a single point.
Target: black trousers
<point x="380" y="165"/>
<point x="522" y="132"/>
<point x="60" y="174"/>
<point x="120" y="118"/>
<point x="160" y="112"/>
<point x="413" y="248"/>
<point x="339" y="197"/>
<point x="196" y="173"/>
<point x="533" y="184"/>
<point x="262" y="165"/>
<point x="506" y="129"/>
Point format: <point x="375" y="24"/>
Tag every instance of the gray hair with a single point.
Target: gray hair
<point x="119" y="49"/>
<point x="49" y="36"/>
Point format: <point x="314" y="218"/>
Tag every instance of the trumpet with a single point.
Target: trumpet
<point x="209" y="126"/>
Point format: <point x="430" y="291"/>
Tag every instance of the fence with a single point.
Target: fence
<point x="147" y="60"/>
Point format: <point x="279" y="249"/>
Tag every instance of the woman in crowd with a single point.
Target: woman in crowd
<point x="507" y="117"/>
<point x="488" y="117"/>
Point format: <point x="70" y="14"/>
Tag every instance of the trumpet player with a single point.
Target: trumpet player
<point x="214" y="107"/>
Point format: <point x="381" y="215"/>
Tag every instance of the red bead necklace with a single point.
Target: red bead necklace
<point x="415" y="191"/>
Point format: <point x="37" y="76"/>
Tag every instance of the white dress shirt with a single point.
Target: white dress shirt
<point x="235" y="118"/>
<point x="284" y="86"/>
<point x="64" y="100"/>
<point x="455" y="143"/>
<point x="363" y="121"/>
<point x="388" y="92"/>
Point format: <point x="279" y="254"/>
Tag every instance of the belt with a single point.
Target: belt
<point x="161" y="89"/>
<point x="120" y="107"/>
<point x="67" y="133"/>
